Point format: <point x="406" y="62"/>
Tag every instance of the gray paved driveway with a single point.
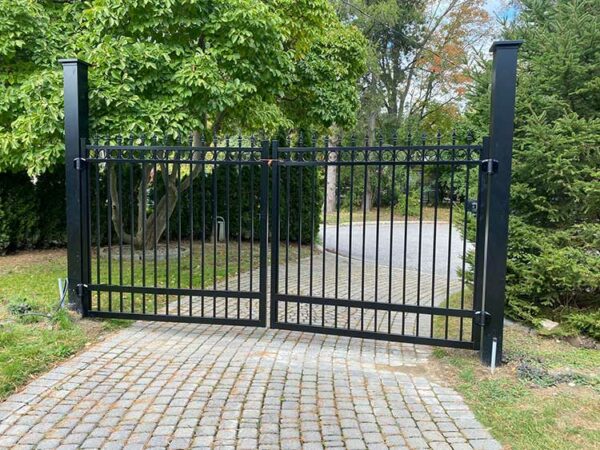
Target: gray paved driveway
<point x="162" y="385"/>
<point x="448" y="245"/>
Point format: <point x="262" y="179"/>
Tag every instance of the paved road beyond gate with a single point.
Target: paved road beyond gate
<point x="178" y="229"/>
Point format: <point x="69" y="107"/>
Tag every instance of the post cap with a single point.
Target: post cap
<point x="505" y="44"/>
<point x="66" y="61"/>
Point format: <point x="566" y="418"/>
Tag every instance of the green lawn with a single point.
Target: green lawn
<point x="207" y="270"/>
<point x="32" y="344"/>
<point x="384" y="214"/>
<point x="546" y="396"/>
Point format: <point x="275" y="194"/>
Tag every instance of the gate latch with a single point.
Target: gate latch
<point x="79" y="163"/>
<point x="270" y="161"/>
<point x="482" y="318"/>
<point x="489" y="166"/>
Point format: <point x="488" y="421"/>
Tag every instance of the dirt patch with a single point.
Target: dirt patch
<point x="417" y="370"/>
<point x="583" y="342"/>
<point x="9" y="263"/>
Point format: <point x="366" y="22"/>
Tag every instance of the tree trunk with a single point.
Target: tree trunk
<point x="330" y="198"/>
<point x="368" y="197"/>
<point x="162" y="210"/>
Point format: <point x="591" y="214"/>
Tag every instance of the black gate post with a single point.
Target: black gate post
<point x="75" y="74"/>
<point x="498" y="168"/>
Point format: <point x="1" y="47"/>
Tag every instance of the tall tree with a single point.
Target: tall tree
<point x="165" y="68"/>
<point x="419" y="53"/>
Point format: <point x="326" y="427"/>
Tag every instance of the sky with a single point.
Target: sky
<point x="500" y="8"/>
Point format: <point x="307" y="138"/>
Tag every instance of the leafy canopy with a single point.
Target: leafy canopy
<point x="168" y="67"/>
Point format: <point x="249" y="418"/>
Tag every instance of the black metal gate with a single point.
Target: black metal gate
<point x="177" y="231"/>
<point x="395" y="269"/>
<point x="207" y="261"/>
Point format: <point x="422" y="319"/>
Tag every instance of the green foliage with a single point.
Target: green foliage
<point x="32" y="215"/>
<point x="301" y="203"/>
<point x="165" y="67"/>
<point x="550" y="269"/>
<point x="556" y="170"/>
<point x="586" y="321"/>
<point x="554" y="250"/>
<point x="237" y="195"/>
<point x="19" y="211"/>
<point x="51" y="195"/>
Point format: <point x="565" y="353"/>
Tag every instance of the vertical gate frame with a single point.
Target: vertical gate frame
<point x="274" y="234"/>
<point x="75" y="74"/>
<point x="264" y="230"/>
<point x="502" y="114"/>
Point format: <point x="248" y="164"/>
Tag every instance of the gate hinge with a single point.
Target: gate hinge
<point x="79" y="163"/>
<point x="489" y="166"/>
<point x="482" y="318"/>
<point x="80" y="289"/>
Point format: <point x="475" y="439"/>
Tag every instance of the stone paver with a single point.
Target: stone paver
<point x="167" y="385"/>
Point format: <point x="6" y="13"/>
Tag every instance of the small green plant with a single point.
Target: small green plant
<point x="19" y="306"/>
<point x="586" y="321"/>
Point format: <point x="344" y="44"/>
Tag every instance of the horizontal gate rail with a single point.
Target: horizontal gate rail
<point x="380" y="306"/>
<point x="456" y="162"/>
<point x="377" y="148"/>
<point x="170" y="161"/>
<point x="409" y="339"/>
<point x="174" y="318"/>
<point x="173" y="291"/>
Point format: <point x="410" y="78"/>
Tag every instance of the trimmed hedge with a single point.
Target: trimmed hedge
<point x="31" y="215"/>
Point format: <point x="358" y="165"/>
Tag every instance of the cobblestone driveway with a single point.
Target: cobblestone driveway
<point x="157" y="385"/>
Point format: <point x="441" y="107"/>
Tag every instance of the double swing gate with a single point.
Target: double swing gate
<point x="401" y="240"/>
